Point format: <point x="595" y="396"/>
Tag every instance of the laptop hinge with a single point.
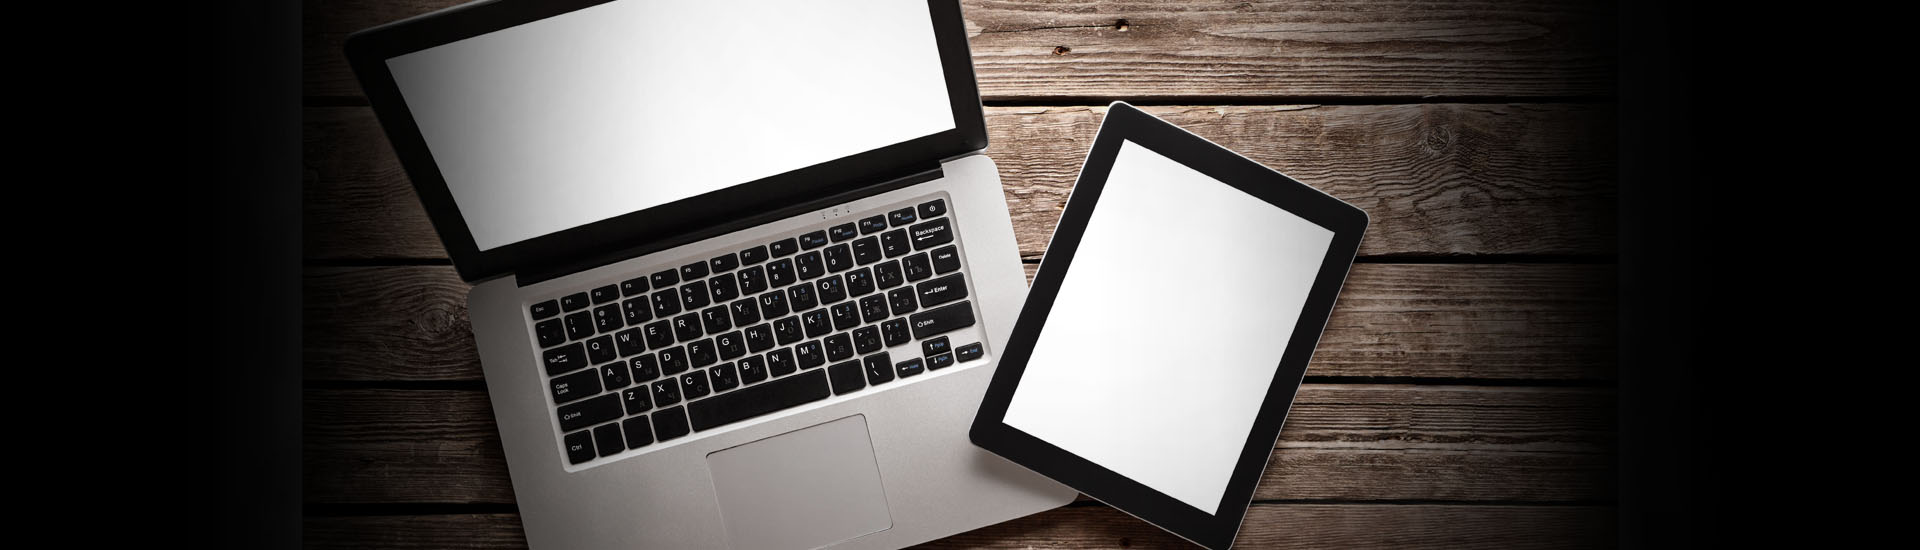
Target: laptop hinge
<point x="531" y="276"/>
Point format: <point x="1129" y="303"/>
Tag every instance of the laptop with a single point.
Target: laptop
<point x="740" y="270"/>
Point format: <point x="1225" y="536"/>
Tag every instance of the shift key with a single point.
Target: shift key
<point x="942" y="319"/>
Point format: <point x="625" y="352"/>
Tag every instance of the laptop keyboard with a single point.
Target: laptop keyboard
<point x="780" y="324"/>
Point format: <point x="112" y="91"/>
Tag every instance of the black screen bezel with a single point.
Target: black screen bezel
<point x="1348" y="223"/>
<point x="367" y="52"/>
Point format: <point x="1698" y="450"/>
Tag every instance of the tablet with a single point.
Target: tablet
<point x="1169" y="327"/>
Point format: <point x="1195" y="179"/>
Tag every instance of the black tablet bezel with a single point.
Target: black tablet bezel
<point x="367" y="52"/>
<point x="1348" y="223"/>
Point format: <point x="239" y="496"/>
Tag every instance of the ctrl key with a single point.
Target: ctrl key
<point x="579" y="447"/>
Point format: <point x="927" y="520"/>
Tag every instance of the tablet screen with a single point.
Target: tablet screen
<point x="1137" y="369"/>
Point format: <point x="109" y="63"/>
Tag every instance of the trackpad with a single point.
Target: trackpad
<point x="802" y="489"/>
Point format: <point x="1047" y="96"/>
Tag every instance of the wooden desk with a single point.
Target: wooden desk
<point x="1462" y="396"/>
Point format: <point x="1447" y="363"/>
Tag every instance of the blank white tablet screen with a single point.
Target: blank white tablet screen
<point x="1168" y="327"/>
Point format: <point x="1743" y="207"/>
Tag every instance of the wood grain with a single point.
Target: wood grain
<point x="1491" y="321"/>
<point x="1347" y="442"/>
<point x="1437" y="179"/>
<point x="1042" y="50"/>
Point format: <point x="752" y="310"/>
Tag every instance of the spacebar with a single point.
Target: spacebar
<point x="753" y="401"/>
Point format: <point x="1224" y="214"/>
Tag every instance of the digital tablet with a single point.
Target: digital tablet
<point x="1169" y="327"/>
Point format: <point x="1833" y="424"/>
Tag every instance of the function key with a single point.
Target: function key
<point x="697" y="270"/>
<point x="969" y="352"/>
<point x="724" y="263"/>
<point x="605" y="294"/>
<point x="544" y="310"/>
<point x="633" y="287"/>
<point x="783" y="247"/>
<point x="753" y="255"/>
<point x="842" y="232"/>
<point x="930" y="234"/>
<point x="933" y="209"/>
<point x="575" y="301"/>
<point x="813" y="240"/>
<point x="665" y="279"/>
<point x="873" y="224"/>
<point x="901" y="217"/>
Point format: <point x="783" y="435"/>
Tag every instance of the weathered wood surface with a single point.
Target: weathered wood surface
<point x="1028" y="50"/>
<point x="1346" y="442"/>
<point x="1474" y="321"/>
<point x="1437" y="179"/>
<point x="1268" y="525"/>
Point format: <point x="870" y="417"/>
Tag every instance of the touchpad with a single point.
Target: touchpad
<point x="802" y="489"/>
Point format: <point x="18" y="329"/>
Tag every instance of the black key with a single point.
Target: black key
<point x="773" y="304"/>
<point x="724" y="263"/>
<point x="839" y="346"/>
<point x="787" y="330"/>
<point x="873" y="308"/>
<point x="894" y="332"/>
<point x="946" y="260"/>
<point x="931" y="234"/>
<point x="759" y="337"/>
<point x="550" y="333"/>
<point x="638" y="399"/>
<point x="723" y="288"/>
<point x="565" y="359"/>
<point x="839" y="258"/>
<point x="693" y="271"/>
<point x="782" y="247"/>
<point x="579" y="447"/>
<point x="808" y="266"/>
<point x="866" y="251"/>
<point x="917" y="267"/>
<point x="645" y="368"/>
<point x="694" y="295"/>
<point x="812" y="240"/>
<point x="846" y="377"/>
<point x="639" y="432"/>
<point x="865" y="340"/>
<point x="745" y="312"/>
<point x="700" y="353"/>
<point x="716" y="319"/>
<point x="780" y="273"/>
<point x="670" y="423"/>
<point x="901" y="217"/>
<point x="757" y="400"/>
<point x="574" y="387"/>
<point x="693" y="385"/>
<point x="902" y="300"/>
<point x="633" y="287"/>
<point x="724" y="377"/>
<point x="941" y="290"/>
<point x="802" y="297"/>
<point x="608" y="318"/>
<point x="579" y="325"/>
<point x="895" y="243"/>
<point x="941" y="319"/>
<point x="544" y="310"/>
<point x="665" y="279"/>
<point x="753" y="369"/>
<point x="809" y="355"/>
<point x="731" y="345"/>
<point x="574" y="416"/>
<point x="842" y="232"/>
<point x="873" y="224"/>
<point x="933" y="209"/>
<point x="637" y="311"/>
<point x="859" y="281"/>
<point x="753" y="255"/>
<point x="673" y="360"/>
<point x="941" y="361"/>
<point x="935" y="346"/>
<point x="666" y="302"/>
<point x="780" y="362"/>
<point x="600" y="350"/>
<point x="686" y="327"/>
<point x="604" y="294"/>
<point x="816" y="323"/>
<point x="832" y="289"/>
<point x="845" y="317"/>
<point x="910" y="367"/>
<point x="575" y="301"/>
<point x="606" y="438"/>
<point x="666" y="392"/>
<point x="615" y="375"/>
<point x="629" y="342"/>
<point x="659" y="334"/>
<point x="753" y="280"/>
<point x="888" y="275"/>
<point x="879" y="368"/>
<point x="969" y="352"/>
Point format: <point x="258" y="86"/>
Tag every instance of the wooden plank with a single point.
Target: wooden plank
<point x="1476" y="321"/>
<point x="1267" y="525"/>
<point x="1025" y="50"/>
<point x="1347" y="442"/>
<point x="1437" y="179"/>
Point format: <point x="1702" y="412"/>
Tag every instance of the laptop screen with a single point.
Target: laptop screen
<point x="627" y="105"/>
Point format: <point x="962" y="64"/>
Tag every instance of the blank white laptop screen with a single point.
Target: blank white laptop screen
<point x="1137" y="368"/>
<point x="631" y="104"/>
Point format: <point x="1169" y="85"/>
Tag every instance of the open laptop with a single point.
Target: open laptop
<point x="740" y="270"/>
